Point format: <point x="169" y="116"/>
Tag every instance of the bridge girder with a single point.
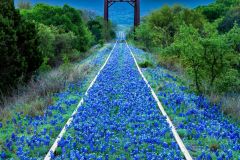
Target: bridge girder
<point x="134" y="3"/>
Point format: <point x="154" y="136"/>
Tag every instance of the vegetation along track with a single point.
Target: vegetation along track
<point x="30" y="137"/>
<point x="119" y="118"/>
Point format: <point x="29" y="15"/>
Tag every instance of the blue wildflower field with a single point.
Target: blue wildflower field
<point x="205" y="131"/>
<point x="26" y="137"/>
<point x="119" y="119"/>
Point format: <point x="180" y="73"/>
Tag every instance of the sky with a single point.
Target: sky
<point x="122" y="13"/>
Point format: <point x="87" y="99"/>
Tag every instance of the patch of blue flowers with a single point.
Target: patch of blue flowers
<point x="119" y="118"/>
<point x="27" y="138"/>
<point x="207" y="133"/>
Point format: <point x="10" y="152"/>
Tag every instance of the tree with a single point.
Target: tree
<point x="219" y="55"/>
<point x="228" y="21"/>
<point x="187" y="41"/>
<point x="47" y="36"/>
<point x="63" y="43"/>
<point x="27" y="43"/>
<point x="162" y="25"/>
<point x="218" y="9"/>
<point x="233" y="38"/>
<point x="163" y="18"/>
<point x="64" y="18"/>
<point x="183" y="37"/>
<point x="144" y="35"/>
<point x="18" y="47"/>
<point x="190" y="17"/>
<point x="206" y="57"/>
<point x="96" y="28"/>
<point x="213" y="11"/>
<point x="108" y="30"/>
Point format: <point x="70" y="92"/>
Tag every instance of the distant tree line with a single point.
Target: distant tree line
<point x="204" y="42"/>
<point x="35" y="38"/>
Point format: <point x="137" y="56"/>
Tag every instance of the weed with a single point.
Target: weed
<point x="231" y="105"/>
<point x="146" y="64"/>
<point x="214" y="147"/>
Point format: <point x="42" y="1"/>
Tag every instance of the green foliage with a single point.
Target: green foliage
<point x="233" y="38"/>
<point x="44" y="66"/>
<point x="66" y="19"/>
<point x="145" y="64"/>
<point x="47" y="37"/>
<point x="185" y="39"/>
<point x="188" y="43"/>
<point x="54" y="43"/>
<point x="208" y="58"/>
<point x="231" y="17"/>
<point x="64" y="43"/>
<point x="27" y="46"/>
<point x="39" y="38"/>
<point x="160" y="26"/>
<point x="101" y="42"/>
<point x="145" y="35"/>
<point x="65" y="59"/>
<point x="97" y="27"/>
<point x="219" y="56"/>
<point x="213" y="11"/>
<point x="108" y="30"/>
<point x="18" y="47"/>
<point x="218" y="9"/>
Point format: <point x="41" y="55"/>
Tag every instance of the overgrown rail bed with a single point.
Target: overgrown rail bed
<point x="119" y="119"/>
<point x="206" y="132"/>
<point x="30" y="137"/>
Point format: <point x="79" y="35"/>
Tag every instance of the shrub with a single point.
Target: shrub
<point x="64" y="43"/>
<point x="47" y="36"/>
<point x="160" y="27"/>
<point x="218" y="9"/>
<point x="208" y="59"/>
<point x="101" y="30"/>
<point x="18" y="47"/>
<point x="44" y="66"/>
<point x="66" y="19"/>
<point x="233" y="38"/>
<point x="96" y="28"/>
<point x="145" y="64"/>
<point x="188" y="43"/>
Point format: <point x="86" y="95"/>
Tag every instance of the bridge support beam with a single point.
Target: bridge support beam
<point x="137" y="13"/>
<point x="106" y="10"/>
<point x="134" y="3"/>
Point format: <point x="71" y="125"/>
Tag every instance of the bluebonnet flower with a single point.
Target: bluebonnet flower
<point x="3" y="155"/>
<point x="120" y="113"/>
<point x="52" y="120"/>
<point x="194" y="113"/>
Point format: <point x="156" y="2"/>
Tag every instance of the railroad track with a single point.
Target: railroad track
<point x="118" y="96"/>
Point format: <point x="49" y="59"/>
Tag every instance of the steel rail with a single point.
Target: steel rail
<point x="173" y="129"/>
<point x="61" y="134"/>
